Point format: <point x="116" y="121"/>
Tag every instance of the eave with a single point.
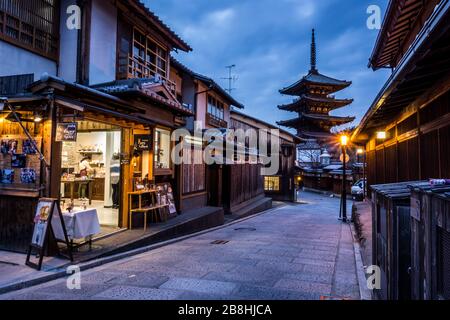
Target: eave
<point x="403" y="19"/>
<point x="425" y="64"/>
<point x="324" y="102"/>
<point x="315" y="79"/>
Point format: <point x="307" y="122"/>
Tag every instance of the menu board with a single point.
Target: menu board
<point x="46" y="210"/>
<point x="166" y="198"/>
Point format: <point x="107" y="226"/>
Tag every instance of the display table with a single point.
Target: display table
<point x="153" y="207"/>
<point x="79" y="224"/>
<point x="72" y="184"/>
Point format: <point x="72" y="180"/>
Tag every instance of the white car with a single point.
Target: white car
<point x="358" y="190"/>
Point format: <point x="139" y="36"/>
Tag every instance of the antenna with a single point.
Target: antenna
<point x="231" y="78"/>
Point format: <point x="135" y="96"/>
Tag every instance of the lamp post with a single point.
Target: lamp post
<point x="344" y="143"/>
<point x="362" y="152"/>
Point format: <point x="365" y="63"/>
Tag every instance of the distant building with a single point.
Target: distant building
<point x="279" y="187"/>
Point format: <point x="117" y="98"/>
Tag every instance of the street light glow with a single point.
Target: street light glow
<point x="344" y="140"/>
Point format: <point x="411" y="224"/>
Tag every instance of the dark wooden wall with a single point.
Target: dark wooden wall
<point x="419" y="149"/>
<point x="16" y="222"/>
<point x="242" y="182"/>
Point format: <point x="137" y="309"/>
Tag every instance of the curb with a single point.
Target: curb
<point x="62" y="272"/>
<point x="364" y="292"/>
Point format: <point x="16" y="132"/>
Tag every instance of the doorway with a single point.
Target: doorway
<point x="91" y="173"/>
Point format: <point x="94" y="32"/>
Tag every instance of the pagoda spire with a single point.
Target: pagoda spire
<point x="313" y="53"/>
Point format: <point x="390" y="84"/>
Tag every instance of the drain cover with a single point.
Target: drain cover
<point x="220" y="242"/>
<point x="245" y="229"/>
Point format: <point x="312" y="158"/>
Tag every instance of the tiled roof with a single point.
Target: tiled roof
<point x="328" y="101"/>
<point x="178" y="42"/>
<point x="136" y="86"/>
<point x="318" y="79"/>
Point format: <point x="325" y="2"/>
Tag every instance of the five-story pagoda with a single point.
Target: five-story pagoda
<point x="314" y="103"/>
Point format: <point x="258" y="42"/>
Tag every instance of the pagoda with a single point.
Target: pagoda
<point x="314" y="103"/>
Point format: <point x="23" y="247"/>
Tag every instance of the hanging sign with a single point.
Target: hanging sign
<point x="66" y="132"/>
<point x="143" y="142"/>
<point x="46" y="211"/>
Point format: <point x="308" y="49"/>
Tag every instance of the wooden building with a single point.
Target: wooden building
<point x="212" y="106"/>
<point x="406" y="132"/>
<point x="281" y="186"/>
<point x="111" y="80"/>
<point x="407" y="129"/>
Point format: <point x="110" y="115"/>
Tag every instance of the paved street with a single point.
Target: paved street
<point x="294" y="252"/>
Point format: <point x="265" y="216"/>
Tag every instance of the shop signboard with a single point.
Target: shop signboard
<point x="143" y="142"/>
<point x="46" y="210"/>
<point x="67" y="132"/>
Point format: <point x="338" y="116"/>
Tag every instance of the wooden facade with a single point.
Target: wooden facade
<point x="281" y="186"/>
<point x="406" y="132"/>
<point x="414" y="112"/>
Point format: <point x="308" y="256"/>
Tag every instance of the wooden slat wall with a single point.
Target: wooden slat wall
<point x="245" y="183"/>
<point x="424" y="154"/>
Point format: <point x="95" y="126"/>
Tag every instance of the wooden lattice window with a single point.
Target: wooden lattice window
<point x="272" y="183"/>
<point x="31" y="24"/>
<point x="148" y="58"/>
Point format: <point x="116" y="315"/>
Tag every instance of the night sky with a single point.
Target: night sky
<point x="269" y="42"/>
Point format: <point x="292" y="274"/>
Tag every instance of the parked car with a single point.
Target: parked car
<point x="358" y="190"/>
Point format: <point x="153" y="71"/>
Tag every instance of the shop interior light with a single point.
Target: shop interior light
<point x="381" y="135"/>
<point x="360" y="151"/>
<point x="37" y="118"/>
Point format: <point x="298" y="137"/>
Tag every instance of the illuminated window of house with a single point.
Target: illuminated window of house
<point x="216" y="108"/>
<point x="272" y="183"/>
<point x="149" y="58"/>
<point x="162" y="149"/>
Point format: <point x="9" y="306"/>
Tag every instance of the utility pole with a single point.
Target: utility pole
<point x="231" y="79"/>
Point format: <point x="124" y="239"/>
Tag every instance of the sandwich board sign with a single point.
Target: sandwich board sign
<point x="47" y="210"/>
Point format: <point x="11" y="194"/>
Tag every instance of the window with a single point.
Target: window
<point x="272" y="183"/>
<point x="162" y="149"/>
<point x="148" y="57"/>
<point x="216" y="109"/>
<point x="31" y="24"/>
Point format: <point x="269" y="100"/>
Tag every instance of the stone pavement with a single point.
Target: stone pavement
<point x="294" y="252"/>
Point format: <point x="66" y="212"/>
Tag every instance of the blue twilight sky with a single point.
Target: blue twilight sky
<point x="269" y="42"/>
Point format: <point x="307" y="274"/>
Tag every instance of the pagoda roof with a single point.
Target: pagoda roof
<point x="332" y="120"/>
<point x="317" y="135"/>
<point x="306" y="99"/>
<point x="318" y="79"/>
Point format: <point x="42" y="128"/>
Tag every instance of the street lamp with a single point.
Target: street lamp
<point x="344" y="142"/>
<point x="362" y="152"/>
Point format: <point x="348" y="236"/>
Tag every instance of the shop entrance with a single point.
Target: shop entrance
<point x="91" y="173"/>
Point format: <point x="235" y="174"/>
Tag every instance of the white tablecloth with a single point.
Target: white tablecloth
<point x="79" y="225"/>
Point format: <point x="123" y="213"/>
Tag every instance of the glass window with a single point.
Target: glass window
<point x="216" y="108"/>
<point x="272" y="183"/>
<point x="162" y="149"/>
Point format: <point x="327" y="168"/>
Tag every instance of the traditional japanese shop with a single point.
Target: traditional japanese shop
<point x="106" y="159"/>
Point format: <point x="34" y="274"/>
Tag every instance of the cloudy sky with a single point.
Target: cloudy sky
<point x="269" y="42"/>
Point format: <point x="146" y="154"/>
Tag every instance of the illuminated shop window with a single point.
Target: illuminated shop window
<point x="272" y="183"/>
